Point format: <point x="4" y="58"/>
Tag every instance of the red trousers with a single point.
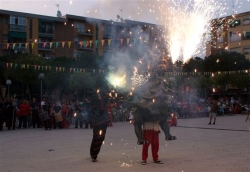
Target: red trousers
<point x="152" y="138"/>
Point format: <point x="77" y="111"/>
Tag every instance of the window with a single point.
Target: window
<point x="246" y="21"/>
<point x="80" y="27"/>
<point x="246" y="50"/>
<point x="13" y="20"/>
<point x="220" y="39"/>
<point x="18" y="20"/>
<point x="21" y="21"/>
<point x="245" y="35"/>
<point x="237" y="50"/>
<point x="30" y="32"/>
<point x="235" y="37"/>
<point x="234" y="23"/>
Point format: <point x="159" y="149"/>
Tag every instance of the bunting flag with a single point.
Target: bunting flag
<point x="96" y="43"/>
<point x="7" y="65"/>
<point x="90" y="43"/>
<point x="70" y="69"/>
<point x="14" y="45"/>
<point x="16" y="65"/>
<point x="20" y="45"/>
<point x="32" y="45"/>
<point x="84" y="43"/>
<point x="50" y="67"/>
<point x="102" y="42"/>
<point x="69" y="43"/>
<point x="38" y="67"/>
<point x="80" y="43"/>
<point x="244" y="33"/>
<point x="63" y="43"/>
<point x="128" y="40"/>
<point x="35" y="67"/>
<point x="87" y="43"/>
<point x="26" y="45"/>
<point x="46" y="68"/>
<point x="8" y="46"/>
<point x="57" y="43"/>
<point x="28" y="66"/>
<point x="109" y="42"/>
<point x="44" y="44"/>
<point x="11" y="65"/>
<point x="56" y="69"/>
<point x="121" y="41"/>
<point x="42" y="68"/>
<point x="51" y="43"/>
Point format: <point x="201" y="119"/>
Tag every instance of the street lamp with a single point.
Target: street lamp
<point x="8" y="83"/>
<point x="41" y="77"/>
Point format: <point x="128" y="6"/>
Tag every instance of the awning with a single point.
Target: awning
<point x="17" y="35"/>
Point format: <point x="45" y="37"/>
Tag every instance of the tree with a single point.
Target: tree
<point x="80" y="82"/>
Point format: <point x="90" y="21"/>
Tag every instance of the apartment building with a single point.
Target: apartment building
<point x="230" y="33"/>
<point x="70" y="35"/>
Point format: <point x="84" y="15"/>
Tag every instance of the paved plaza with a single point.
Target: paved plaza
<point x="224" y="147"/>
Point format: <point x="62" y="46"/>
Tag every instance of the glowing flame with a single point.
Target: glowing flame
<point x="100" y="132"/>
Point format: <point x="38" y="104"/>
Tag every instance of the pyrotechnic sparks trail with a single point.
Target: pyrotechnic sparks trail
<point x="187" y="24"/>
<point x="138" y="79"/>
<point x="185" y="27"/>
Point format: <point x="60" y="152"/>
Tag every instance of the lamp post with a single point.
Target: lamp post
<point x="8" y="83"/>
<point x="41" y="77"/>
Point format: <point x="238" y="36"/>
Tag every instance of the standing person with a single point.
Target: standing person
<point x="100" y="123"/>
<point x="46" y="109"/>
<point x="151" y="132"/>
<point x="78" y="117"/>
<point x="56" y="110"/>
<point x="213" y="111"/>
<point x="1" y="116"/>
<point x="87" y="106"/>
<point x="23" y="112"/>
<point x="10" y="114"/>
<point x="185" y="109"/>
<point x="36" y="122"/>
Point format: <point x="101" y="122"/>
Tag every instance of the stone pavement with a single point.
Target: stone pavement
<point x="224" y="147"/>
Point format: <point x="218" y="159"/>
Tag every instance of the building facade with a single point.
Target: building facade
<point x="69" y="35"/>
<point x="231" y="33"/>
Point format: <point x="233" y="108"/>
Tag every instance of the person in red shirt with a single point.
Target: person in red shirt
<point x="23" y="112"/>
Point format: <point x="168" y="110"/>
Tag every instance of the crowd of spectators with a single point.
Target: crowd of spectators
<point x="49" y="115"/>
<point x="200" y="107"/>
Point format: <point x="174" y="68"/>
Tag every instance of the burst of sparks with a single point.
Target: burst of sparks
<point x="187" y="24"/>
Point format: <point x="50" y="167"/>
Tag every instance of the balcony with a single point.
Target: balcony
<point x="84" y="32"/>
<point x="88" y="48"/>
<point x="46" y="30"/>
<point x="108" y="34"/>
<point x="20" y="28"/>
<point x="46" y="47"/>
